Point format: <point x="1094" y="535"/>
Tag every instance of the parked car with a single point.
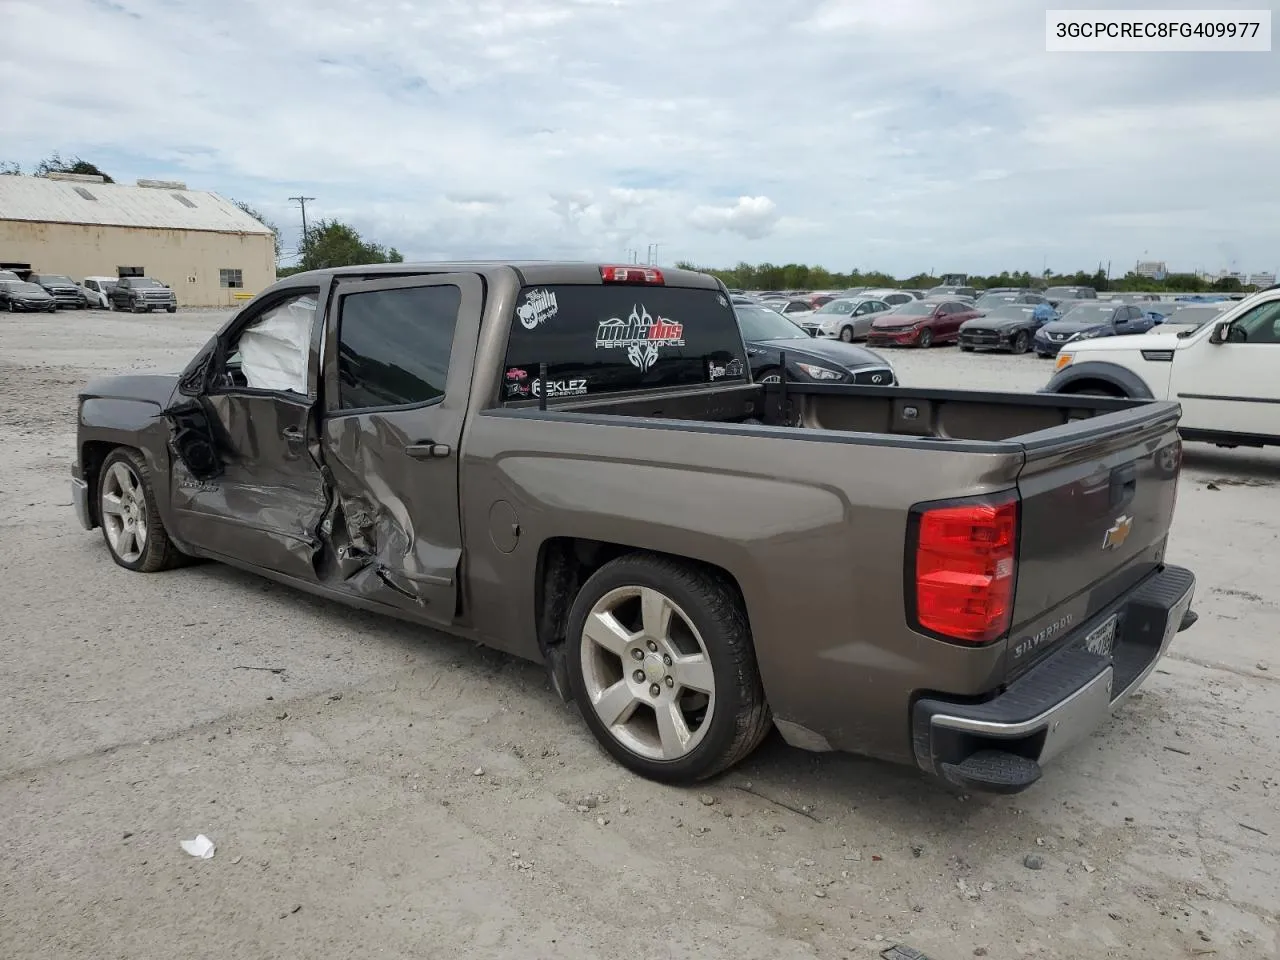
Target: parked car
<point x="142" y="295"/>
<point x="817" y="360"/>
<point x="1057" y="294"/>
<point x="63" y="289"/>
<point x="22" y="296"/>
<point x="921" y="323"/>
<point x="1010" y="327"/>
<point x="97" y="290"/>
<point x="1088" y="320"/>
<point x="967" y="293"/>
<point x="1222" y="372"/>
<point x="796" y="310"/>
<point x="889" y="295"/>
<point x="561" y="461"/>
<point x="847" y="319"/>
<point x="997" y="298"/>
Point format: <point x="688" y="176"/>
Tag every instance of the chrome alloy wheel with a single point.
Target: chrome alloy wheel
<point x="124" y="512"/>
<point x="647" y="673"/>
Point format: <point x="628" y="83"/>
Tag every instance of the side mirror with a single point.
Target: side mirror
<point x="1220" y="329"/>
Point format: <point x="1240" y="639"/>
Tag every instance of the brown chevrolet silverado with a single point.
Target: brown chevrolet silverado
<point x="571" y="462"/>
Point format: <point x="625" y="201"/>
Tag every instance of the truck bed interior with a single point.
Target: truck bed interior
<point x="900" y="411"/>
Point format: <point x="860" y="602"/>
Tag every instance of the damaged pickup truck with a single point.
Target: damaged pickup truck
<point x="571" y="463"/>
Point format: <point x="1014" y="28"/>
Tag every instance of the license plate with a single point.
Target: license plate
<point x="1102" y="638"/>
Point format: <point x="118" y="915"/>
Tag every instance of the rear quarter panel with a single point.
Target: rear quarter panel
<point x="811" y="527"/>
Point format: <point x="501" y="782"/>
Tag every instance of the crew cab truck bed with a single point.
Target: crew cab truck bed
<point x="570" y="462"/>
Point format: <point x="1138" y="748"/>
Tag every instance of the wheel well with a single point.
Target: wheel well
<point x="92" y="455"/>
<point x="1095" y="386"/>
<point x="565" y="564"/>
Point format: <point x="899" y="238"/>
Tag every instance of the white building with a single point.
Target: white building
<point x="202" y="245"/>
<point x="1152" y="269"/>
<point x="1261" y="280"/>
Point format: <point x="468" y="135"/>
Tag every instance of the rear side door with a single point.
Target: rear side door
<point x="398" y="362"/>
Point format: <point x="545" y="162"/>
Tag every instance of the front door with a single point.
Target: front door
<point x="264" y="498"/>
<point x="398" y="360"/>
<point x="1234" y="386"/>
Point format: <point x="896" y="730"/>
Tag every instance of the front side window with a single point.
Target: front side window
<point x="611" y="337"/>
<point x="394" y="345"/>
<point x="1259" y="325"/>
<point x="271" y="352"/>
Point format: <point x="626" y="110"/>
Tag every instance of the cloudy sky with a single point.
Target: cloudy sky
<point x="901" y="135"/>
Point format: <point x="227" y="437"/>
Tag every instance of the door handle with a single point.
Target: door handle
<point x="427" y="450"/>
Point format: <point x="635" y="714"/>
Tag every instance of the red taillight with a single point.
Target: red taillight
<point x="964" y="569"/>
<point x="631" y="275"/>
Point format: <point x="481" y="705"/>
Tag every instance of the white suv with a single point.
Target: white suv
<point x="1225" y="374"/>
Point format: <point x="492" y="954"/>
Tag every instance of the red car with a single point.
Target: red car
<point x="921" y="323"/>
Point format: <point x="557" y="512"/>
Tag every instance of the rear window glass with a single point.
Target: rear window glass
<point x="609" y="338"/>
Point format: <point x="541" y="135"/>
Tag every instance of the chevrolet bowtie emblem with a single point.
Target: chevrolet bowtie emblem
<point x="1118" y="533"/>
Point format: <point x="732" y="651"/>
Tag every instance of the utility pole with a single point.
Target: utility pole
<point x="655" y="254"/>
<point x="302" y="202"/>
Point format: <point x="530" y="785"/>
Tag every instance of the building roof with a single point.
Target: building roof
<point x="44" y="200"/>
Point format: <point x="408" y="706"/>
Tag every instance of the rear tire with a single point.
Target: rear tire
<point x="926" y="338"/>
<point x="689" y="625"/>
<point x="130" y="519"/>
<point x="966" y="349"/>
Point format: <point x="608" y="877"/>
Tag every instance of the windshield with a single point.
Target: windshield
<point x="1010" y="311"/>
<point x="759" y="323"/>
<point x="54" y="278"/>
<point x="841" y="307"/>
<point x="1090" y="313"/>
<point x="917" y="309"/>
<point x="992" y="298"/>
<point x="1059" y="292"/>
<point x="26" y="289"/>
<point x="137" y="282"/>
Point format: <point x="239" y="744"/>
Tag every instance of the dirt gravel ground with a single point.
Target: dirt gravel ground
<point x="390" y="792"/>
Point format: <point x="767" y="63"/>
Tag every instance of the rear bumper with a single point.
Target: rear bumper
<point x="999" y="745"/>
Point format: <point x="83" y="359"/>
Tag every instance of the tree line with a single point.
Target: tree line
<point x="800" y="276"/>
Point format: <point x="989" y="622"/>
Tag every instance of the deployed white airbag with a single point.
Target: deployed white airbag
<point x="273" y="351"/>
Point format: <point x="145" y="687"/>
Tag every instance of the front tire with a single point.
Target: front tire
<point x="130" y="519"/>
<point x="663" y="668"/>
<point x="769" y="375"/>
<point x="926" y="338"/>
<point x="966" y="349"/>
<point x="1021" y="342"/>
<point x="846" y="334"/>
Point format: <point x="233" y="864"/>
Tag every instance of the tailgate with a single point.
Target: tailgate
<point x="1097" y="501"/>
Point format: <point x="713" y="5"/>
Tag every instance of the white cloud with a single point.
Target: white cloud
<point x="750" y="217"/>
<point x="898" y="135"/>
